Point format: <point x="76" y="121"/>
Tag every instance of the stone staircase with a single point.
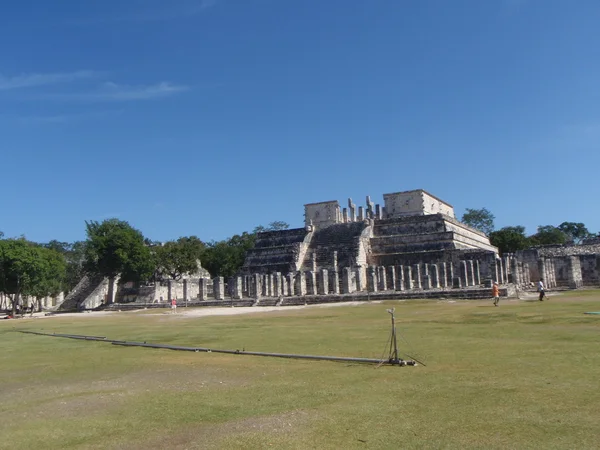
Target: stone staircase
<point x="275" y="251"/>
<point x="343" y="238"/>
<point x="84" y="289"/>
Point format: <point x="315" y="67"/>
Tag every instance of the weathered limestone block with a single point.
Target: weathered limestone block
<point x="471" y="273"/>
<point x="256" y="285"/>
<point x="347" y="285"/>
<point x="335" y="283"/>
<point x="391" y="278"/>
<point x="435" y="276"/>
<point x="277" y="287"/>
<point x="361" y="282"/>
<point x="238" y="288"/>
<point x="425" y="281"/>
<point x="457" y="282"/>
<point x="381" y="279"/>
<point x="477" y="272"/>
<point x="371" y="279"/>
<point x="290" y="282"/>
<point x="417" y="277"/>
<point x="301" y="284"/>
<point x="443" y="275"/>
<point x="574" y="272"/>
<point x="203" y="288"/>
<point x="324" y="282"/>
<point x="219" y="288"/>
<point x="400" y="280"/>
<point x="409" y="279"/>
<point x="464" y="274"/>
<point x="311" y="283"/>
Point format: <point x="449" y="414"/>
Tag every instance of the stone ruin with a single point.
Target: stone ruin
<point x="413" y="246"/>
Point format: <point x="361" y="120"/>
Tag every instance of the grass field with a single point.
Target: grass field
<point x="524" y="375"/>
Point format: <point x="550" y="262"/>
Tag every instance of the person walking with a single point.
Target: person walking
<point x="541" y="290"/>
<point x="496" y="293"/>
<point x="173" y="306"/>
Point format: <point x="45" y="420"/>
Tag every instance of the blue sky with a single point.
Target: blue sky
<point x="209" y="117"/>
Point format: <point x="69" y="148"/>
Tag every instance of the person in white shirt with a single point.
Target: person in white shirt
<point x="541" y="290"/>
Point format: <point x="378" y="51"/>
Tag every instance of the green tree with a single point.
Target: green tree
<point x="29" y="269"/>
<point x="548" y="235"/>
<point x="74" y="255"/>
<point x="225" y="258"/>
<point x="180" y="257"/>
<point x="273" y="226"/>
<point x="576" y="232"/>
<point x="510" y="239"/>
<point x="113" y="248"/>
<point x="480" y="219"/>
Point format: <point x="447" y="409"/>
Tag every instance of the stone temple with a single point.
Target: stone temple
<point x="411" y="247"/>
<point x="413" y="240"/>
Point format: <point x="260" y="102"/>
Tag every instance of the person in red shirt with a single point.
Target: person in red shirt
<point x="495" y="293"/>
<point x="173" y="306"/>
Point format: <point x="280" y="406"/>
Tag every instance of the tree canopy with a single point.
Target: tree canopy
<point x="510" y="239"/>
<point x="547" y="235"/>
<point x="576" y="232"/>
<point x="114" y="247"/>
<point x="29" y="269"/>
<point x="480" y="219"/>
<point x="177" y="258"/>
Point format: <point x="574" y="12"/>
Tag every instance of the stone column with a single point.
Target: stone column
<point x="574" y="272"/>
<point x="312" y="283"/>
<point x="290" y="281"/>
<point x="470" y="273"/>
<point x="256" y="285"/>
<point x="324" y="282"/>
<point x="464" y="274"/>
<point x="435" y="276"/>
<point x="335" y="282"/>
<point x="170" y="290"/>
<point x="500" y="270"/>
<point x="418" y="281"/>
<point x="203" y="288"/>
<point x="381" y="278"/>
<point x="425" y="280"/>
<point x="345" y="215"/>
<point x="237" y="288"/>
<point x="185" y="291"/>
<point x="313" y="261"/>
<point x="264" y="288"/>
<point x="443" y="275"/>
<point x="400" y="283"/>
<point x="371" y="279"/>
<point x="391" y="278"/>
<point x="219" y="288"/>
<point x="301" y="284"/>
<point x="361" y="213"/>
<point x="477" y="272"/>
<point x="542" y="269"/>
<point x="347" y="281"/>
<point x="409" y="279"/>
<point x="361" y="282"/>
<point x="277" y="288"/>
<point x="335" y="261"/>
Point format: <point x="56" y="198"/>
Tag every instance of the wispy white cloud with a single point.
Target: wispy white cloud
<point x="43" y="79"/>
<point x="112" y="92"/>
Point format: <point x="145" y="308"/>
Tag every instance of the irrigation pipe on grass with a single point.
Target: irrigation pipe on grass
<point x="390" y="361"/>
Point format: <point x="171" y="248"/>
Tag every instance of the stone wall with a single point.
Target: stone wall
<point x="417" y="202"/>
